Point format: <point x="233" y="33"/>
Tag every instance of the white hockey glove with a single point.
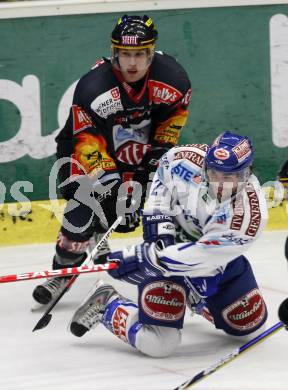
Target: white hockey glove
<point x="139" y="258"/>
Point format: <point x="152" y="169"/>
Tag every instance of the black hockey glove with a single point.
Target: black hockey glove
<point x="151" y="158"/>
<point x="116" y="202"/>
<point x="66" y="187"/>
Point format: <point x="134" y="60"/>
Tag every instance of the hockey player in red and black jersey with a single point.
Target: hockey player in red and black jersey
<point x="127" y="111"/>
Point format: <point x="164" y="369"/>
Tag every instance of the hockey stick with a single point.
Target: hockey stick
<point x="231" y="356"/>
<point x="83" y="269"/>
<point x="46" y="318"/>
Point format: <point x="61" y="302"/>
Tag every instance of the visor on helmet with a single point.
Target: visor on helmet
<point x="225" y="185"/>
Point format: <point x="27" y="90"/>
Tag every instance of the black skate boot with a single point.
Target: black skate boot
<point x="50" y="289"/>
<point x="90" y="313"/>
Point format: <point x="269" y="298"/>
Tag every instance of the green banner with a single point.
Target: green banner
<point x="227" y="53"/>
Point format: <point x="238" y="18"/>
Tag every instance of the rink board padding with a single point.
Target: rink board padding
<point x="231" y="73"/>
<point x="35" y="222"/>
<point x="39" y="222"/>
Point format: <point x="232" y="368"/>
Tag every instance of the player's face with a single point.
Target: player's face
<point x="133" y="64"/>
<point x="224" y="185"/>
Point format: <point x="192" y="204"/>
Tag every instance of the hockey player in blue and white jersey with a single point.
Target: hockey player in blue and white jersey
<point x="205" y="209"/>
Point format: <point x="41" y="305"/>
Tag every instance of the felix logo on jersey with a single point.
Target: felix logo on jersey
<point x="119" y="323"/>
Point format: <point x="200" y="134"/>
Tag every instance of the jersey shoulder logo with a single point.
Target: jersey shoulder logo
<point x="81" y="119"/>
<point x="190" y="155"/>
<point x="160" y="92"/>
<point x="98" y="63"/>
<point x="238" y="214"/>
<point x="90" y="155"/>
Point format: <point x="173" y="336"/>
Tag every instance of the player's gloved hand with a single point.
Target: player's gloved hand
<point x="131" y="219"/>
<point x="130" y="222"/>
<point x="144" y="178"/>
<point x="194" y="301"/>
<point x="127" y="263"/>
<point x="205" y="286"/>
<point x="151" y="158"/>
<point x="114" y="202"/>
<point x="138" y="261"/>
<point x="158" y="227"/>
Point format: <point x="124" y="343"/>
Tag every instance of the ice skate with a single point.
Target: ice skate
<point x="90" y="313"/>
<point x="49" y="290"/>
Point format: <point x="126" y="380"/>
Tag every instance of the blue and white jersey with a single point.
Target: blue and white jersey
<point x="222" y="231"/>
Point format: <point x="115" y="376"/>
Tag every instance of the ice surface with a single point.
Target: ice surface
<point x="54" y="359"/>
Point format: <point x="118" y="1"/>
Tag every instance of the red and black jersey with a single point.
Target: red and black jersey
<point x="113" y="126"/>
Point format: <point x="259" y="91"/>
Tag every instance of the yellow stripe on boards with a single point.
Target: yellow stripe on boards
<point x="36" y="222"/>
<point x="278" y="217"/>
<point x="39" y="222"/>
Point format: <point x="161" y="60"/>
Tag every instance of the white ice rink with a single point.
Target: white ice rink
<point x="54" y="359"/>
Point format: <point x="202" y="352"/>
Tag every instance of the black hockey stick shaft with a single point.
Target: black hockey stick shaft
<point x="47" y="316"/>
<point x="283" y="308"/>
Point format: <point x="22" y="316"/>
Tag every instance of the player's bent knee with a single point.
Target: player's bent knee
<point x="158" y="341"/>
<point x="69" y="252"/>
<point x="248" y="337"/>
<point x="245" y="315"/>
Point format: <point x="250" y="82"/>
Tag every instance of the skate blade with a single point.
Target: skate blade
<point x="37" y="307"/>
